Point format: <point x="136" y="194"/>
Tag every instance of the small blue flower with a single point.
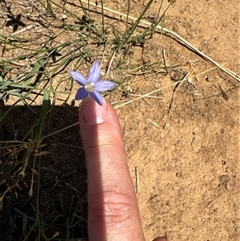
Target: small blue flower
<point x="91" y="85"/>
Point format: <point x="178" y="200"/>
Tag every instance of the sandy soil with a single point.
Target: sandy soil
<point x="185" y="161"/>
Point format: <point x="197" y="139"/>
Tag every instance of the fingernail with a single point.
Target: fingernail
<point x="92" y="112"/>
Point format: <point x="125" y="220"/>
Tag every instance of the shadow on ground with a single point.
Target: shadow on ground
<point x="42" y="181"/>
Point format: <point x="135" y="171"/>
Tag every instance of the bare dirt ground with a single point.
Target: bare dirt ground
<point x="186" y="165"/>
<point x="182" y="142"/>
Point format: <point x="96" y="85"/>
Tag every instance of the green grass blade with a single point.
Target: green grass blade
<point x="128" y="32"/>
<point x="43" y="114"/>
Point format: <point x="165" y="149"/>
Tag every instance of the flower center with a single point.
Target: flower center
<point x="89" y="86"/>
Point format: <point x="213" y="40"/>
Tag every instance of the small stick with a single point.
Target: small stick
<point x="137" y="180"/>
<point x="22" y="30"/>
<point x="164" y="59"/>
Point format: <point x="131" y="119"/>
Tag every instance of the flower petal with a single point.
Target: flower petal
<point x="81" y="94"/>
<point x="97" y="97"/>
<point x="103" y="85"/>
<point x="78" y="77"/>
<point x="94" y="73"/>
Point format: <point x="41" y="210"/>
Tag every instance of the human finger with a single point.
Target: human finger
<point x="112" y="205"/>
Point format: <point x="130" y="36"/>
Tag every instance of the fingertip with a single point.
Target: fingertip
<point x="91" y="113"/>
<point x="99" y="124"/>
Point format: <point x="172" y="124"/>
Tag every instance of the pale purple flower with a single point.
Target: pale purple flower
<point x="91" y="85"/>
